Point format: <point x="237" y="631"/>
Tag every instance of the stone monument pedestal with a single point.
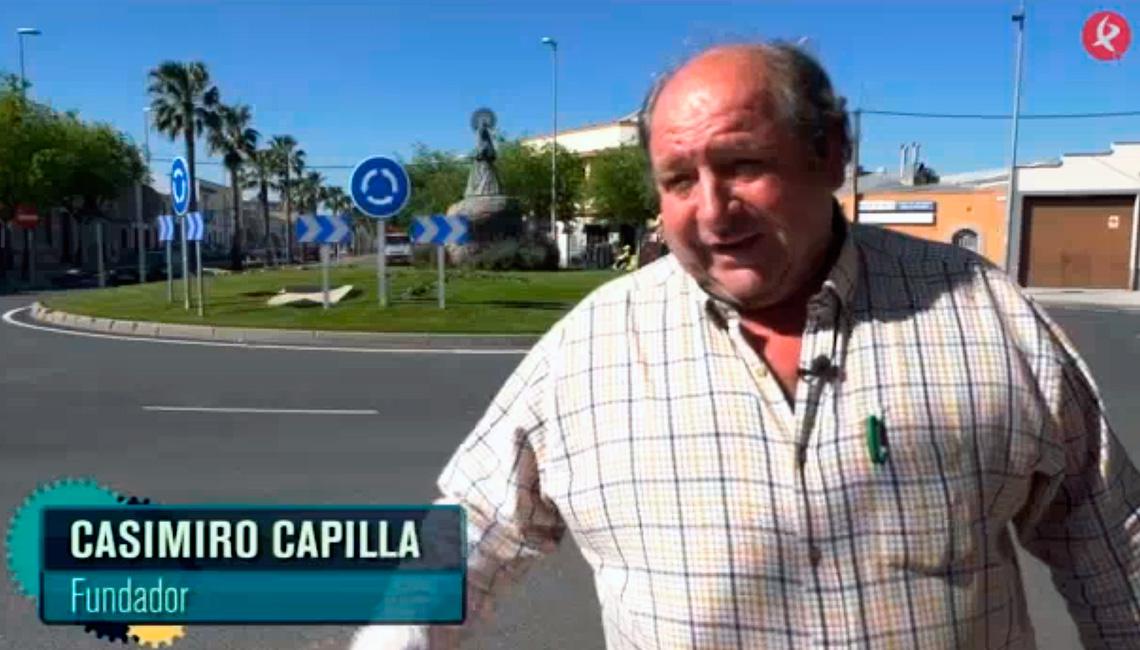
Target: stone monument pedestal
<point x="493" y="218"/>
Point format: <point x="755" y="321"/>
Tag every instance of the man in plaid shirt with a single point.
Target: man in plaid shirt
<point x="794" y="431"/>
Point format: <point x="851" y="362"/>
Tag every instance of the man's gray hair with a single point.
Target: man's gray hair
<point x="799" y="88"/>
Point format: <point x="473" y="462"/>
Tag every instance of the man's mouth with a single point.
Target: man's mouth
<point x="736" y="246"/>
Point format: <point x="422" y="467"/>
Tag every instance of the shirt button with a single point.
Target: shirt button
<point x="815" y="555"/>
<point x="762" y="371"/>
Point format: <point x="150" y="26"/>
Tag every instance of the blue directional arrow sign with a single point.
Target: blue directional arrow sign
<point x="195" y="227"/>
<point x="441" y="229"/>
<point x="165" y="227"/>
<point x="324" y="229"/>
<point x="180" y="186"/>
<point x="380" y="187"/>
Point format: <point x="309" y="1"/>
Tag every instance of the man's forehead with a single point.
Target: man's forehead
<point x="732" y="80"/>
<point x="724" y="76"/>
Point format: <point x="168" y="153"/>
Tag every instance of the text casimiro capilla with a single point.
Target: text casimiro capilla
<point x="225" y="539"/>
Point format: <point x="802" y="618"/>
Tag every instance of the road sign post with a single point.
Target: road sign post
<point x="27" y="218"/>
<point x="100" y="263"/>
<point x="185" y="267"/>
<point x="325" y="230"/>
<point x="380" y="188"/>
<point x="165" y="235"/>
<point x="193" y="229"/>
<point x="382" y="262"/>
<point x="439" y="256"/>
<point x="201" y="284"/>
<point x="180" y="201"/>
<point x="441" y="230"/>
<point x="140" y="232"/>
<point x="325" y="276"/>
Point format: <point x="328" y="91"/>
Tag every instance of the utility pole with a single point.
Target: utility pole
<point x="1012" y="228"/>
<point x="855" y="166"/>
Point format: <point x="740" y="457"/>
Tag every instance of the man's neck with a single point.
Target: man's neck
<point x="788" y="317"/>
<point x="775" y="333"/>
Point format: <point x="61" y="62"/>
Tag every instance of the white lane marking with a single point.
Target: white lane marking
<point x="210" y="409"/>
<point x="9" y="318"/>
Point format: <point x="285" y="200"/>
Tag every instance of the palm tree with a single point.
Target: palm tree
<point x="183" y="103"/>
<point x="312" y="187"/>
<point x="308" y="192"/>
<point x="232" y="136"/>
<point x="259" y="176"/>
<point x="338" y="203"/>
<point x="288" y="162"/>
<point x="336" y="200"/>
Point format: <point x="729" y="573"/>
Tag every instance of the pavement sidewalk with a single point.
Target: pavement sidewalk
<point x="1110" y="299"/>
<point x="300" y="338"/>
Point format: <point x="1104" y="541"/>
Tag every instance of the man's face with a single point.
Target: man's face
<point x="746" y="207"/>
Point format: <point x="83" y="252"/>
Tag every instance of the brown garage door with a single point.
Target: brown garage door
<point x="1080" y="241"/>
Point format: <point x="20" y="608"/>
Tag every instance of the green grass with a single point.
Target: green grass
<point x="478" y="302"/>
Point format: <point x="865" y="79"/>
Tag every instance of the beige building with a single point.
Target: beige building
<point x="588" y="238"/>
<point x="215" y="202"/>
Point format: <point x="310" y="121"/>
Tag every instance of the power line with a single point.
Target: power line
<point x="307" y="166"/>
<point x="996" y="116"/>
<point x="864" y="111"/>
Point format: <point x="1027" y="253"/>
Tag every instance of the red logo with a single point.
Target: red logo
<point x="1106" y="35"/>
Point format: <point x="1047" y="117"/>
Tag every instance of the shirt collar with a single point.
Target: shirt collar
<point x="835" y="294"/>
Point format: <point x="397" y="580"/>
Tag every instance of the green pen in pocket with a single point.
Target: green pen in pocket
<point x="876" y="439"/>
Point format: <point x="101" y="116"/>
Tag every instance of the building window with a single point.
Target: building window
<point x="967" y="239"/>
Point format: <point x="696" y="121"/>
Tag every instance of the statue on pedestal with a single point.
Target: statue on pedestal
<point x="493" y="214"/>
<point x="483" y="180"/>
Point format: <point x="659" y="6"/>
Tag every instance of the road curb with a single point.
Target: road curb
<point x="364" y="340"/>
<point x="1091" y="305"/>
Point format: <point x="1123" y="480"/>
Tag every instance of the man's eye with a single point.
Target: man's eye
<point x="751" y="167"/>
<point x="677" y="183"/>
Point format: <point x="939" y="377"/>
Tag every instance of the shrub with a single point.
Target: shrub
<point x="423" y="256"/>
<point x="515" y="255"/>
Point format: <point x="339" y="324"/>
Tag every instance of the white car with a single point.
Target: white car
<point x="398" y="248"/>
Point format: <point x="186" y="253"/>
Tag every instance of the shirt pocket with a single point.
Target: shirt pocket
<point x="924" y="511"/>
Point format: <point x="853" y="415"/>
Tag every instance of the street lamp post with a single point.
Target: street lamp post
<point x="29" y="234"/>
<point x="20" y="34"/>
<point x="546" y="40"/>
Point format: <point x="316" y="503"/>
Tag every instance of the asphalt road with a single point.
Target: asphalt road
<point x="76" y="406"/>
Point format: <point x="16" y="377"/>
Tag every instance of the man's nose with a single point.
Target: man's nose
<point x="716" y="203"/>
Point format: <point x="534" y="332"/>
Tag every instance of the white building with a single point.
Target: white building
<point x="1078" y="220"/>
<point x="586" y="232"/>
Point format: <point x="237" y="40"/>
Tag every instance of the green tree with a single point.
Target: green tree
<point x="260" y="172"/>
<point x="26" y="130"/>
<point x="54" y="160"/>
<point x="338" y="203"/>
<point x="310" y="191"/>
<point x="620" y="188"/>
<point x="183" y="103"/>
<point x="524" y="172"/>
<point x="88" y="168"/>
<point x="438" y="180"/>
<point x="231" y="135"/>
<point x="336" y="200"/>
<point x="288" y="161"/>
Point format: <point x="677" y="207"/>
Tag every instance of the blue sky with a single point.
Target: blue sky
<point x="350" y="78"/>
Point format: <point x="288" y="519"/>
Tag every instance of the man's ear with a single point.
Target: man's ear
<point x="830" y="150"/>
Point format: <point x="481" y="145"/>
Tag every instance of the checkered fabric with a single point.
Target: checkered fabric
<point x="717" y="515"/>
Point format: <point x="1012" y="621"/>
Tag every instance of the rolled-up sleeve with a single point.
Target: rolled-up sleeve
<point x="1084" y="517"/>
<point x="494" y="475"/>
